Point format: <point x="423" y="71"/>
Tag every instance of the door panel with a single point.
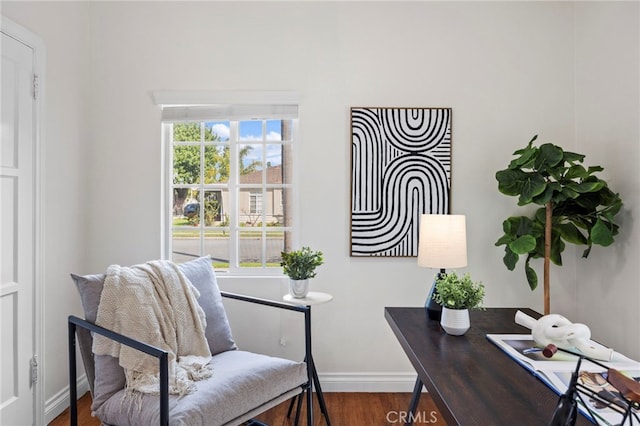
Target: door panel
<point x="17" y="254"/>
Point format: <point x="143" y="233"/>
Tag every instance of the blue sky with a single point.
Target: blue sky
<point x="252" y="131"/>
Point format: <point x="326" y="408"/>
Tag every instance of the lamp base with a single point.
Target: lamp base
<point x="433" y="310"/>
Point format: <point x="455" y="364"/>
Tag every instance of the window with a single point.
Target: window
<point x="228" y="184"/>
<point x="255" y="202"/>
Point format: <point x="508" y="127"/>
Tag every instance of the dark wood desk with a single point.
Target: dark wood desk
<point x="472" y="381"/>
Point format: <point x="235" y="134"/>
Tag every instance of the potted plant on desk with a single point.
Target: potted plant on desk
<point x="300" y="266"/>
<point x="457" y="295"/>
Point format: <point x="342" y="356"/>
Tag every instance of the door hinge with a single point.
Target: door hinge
<point x="36" y="86"/>
<point x="34" y="369"/>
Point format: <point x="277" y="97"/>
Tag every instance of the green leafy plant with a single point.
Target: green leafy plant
<point x="577" y="207"/>
<point x="455" y="292"/>
<point x="301" y="264"/>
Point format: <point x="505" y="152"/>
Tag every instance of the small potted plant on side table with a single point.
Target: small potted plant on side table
<point x="457" y="295"/>
<point x="300" y="266"/>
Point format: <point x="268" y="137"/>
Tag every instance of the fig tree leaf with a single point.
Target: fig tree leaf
<point x="523" y="244"/>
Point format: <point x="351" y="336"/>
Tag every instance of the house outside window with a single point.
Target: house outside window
<point x="228" y="184"/>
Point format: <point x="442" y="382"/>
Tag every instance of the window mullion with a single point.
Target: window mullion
<point x="167" y="240"/>
<point x="201" y="190"/>
<point x="234" y="226"/>
<point x="264" y="201"/>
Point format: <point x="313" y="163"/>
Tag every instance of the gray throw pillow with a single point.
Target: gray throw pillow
<point x="218" y="333"/>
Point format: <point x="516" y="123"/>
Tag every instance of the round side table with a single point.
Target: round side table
<point x="312" y="298"/>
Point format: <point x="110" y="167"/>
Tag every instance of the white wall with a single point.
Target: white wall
<point x="607" y="130"/>
<point x="508" y="70"/>
<point x="467" y="56"/>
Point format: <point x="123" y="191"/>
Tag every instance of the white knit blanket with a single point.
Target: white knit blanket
<point x="154" y="303"/>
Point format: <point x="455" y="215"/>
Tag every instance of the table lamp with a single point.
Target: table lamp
<point x="442" y="245"/>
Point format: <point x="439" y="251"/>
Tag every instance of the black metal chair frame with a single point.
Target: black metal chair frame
<point x="566" y="411"/>
<point x="163" y="357"/>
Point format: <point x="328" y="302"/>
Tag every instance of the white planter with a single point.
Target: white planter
<point x="298" y="288"/>
<point x="455" y="321"/>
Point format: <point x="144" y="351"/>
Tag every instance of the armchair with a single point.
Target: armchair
<point x="243" y="384"/>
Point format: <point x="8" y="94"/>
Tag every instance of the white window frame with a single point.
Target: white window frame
<point x="195" y="106"/>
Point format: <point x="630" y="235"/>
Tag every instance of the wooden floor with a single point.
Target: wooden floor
<point x="345" y="409"/>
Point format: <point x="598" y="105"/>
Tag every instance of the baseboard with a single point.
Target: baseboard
<point x="367" y="382"/>
<point x="55" y="405"/>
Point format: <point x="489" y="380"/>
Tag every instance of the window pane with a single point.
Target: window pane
<point x="187" y="132"/>
<point x="250" y="157"/>
<point x="217" y="166"/>
<point x="287" y="162"/>
<point x="182" y="197"/>
<point x="274" y="156"/>
<point x="250" y="130"/>
<point x="250" y="249"/>
<point x="216" y="244"/>
<point x="287" y="242"/>
<point x="212" y="207"/>
<point x="286" y="127"/>
<point x="287" y="208"/>
<point x="275" y="246"/>
<point x="271" y="205"/>
<point x="274" y="130"/>
<point x="185" y="244"/>
<point x="186" y="164"/>
<point x="218" y="131"/>
<point x="247" y="217"/>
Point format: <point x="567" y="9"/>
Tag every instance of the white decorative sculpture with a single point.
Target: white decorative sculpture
<point x="556" y="330"/>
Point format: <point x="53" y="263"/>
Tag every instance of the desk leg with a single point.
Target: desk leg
<point x="415" y="399"/>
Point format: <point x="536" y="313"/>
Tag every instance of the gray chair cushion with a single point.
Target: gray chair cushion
<point x="111" y="378"/>
<point x="218" y="333"/>
<point x="241" y="381"/>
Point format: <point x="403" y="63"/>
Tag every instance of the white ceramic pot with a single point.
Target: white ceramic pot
<point x="455" y="321"/>
<point x="298" y="288"/>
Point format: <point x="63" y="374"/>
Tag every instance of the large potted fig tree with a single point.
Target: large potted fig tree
<point x="575" y="207"/>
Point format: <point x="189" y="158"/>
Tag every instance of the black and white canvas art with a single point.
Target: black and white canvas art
<point x="400" y="169"/>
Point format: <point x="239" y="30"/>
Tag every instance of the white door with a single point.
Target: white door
<point x="17" y="234"/>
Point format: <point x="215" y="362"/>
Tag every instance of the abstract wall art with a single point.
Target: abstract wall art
<point x="400" y="169"/>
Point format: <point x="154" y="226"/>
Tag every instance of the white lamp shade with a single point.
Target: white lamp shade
<point x="443" y="241"/>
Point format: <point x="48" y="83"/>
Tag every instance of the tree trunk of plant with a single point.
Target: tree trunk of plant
<point x="547" y="256"/>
